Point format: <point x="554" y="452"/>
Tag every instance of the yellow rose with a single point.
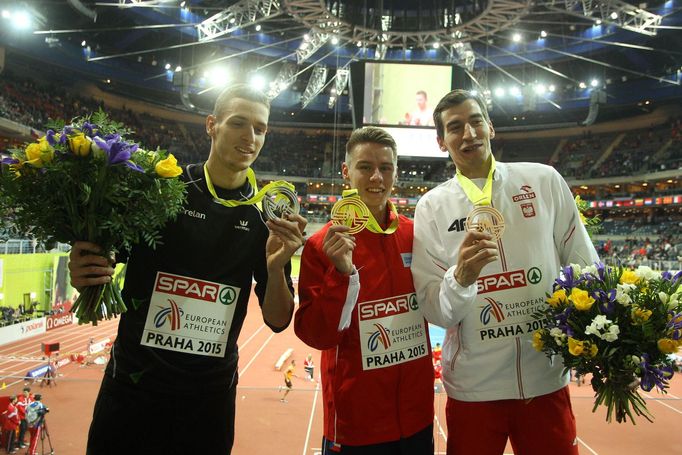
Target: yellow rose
<point x="575" y="347"/>
<point x="628" y="277"/>
<point x="581" y="299"/>
<point x="79" y="144"/>
<point x="168" y="168"/>
<point x="592" y="352"/>
<point x="559" y="297"/>
<point x="538" y="344"/>
<point x="39" y="153"/>
<point x="668" y="346"/>
<point x="640" y="315"/>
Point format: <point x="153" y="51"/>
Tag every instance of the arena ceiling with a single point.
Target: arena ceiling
<point x="182" y="51"/>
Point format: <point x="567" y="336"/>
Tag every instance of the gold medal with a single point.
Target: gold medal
<point x="486" y="219"/>
<point x="351" y="212"/>
<point x="280" y="200"/>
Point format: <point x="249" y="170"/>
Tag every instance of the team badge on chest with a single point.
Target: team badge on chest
<point x="528" y="210"/>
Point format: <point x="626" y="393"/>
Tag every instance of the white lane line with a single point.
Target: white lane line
<point x="586" y="446"/>
<point x="310" y="423"/>
<point x="241" y="345"/>
<point x="243" y="370"/>
<point x="661" y="402"/>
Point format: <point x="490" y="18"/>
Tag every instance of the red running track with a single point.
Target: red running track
<point x="265" y="425"/>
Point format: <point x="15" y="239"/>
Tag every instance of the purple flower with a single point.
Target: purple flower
<point x="49" y="136"/>
<point x="89" y="129"/>
<point x="601" y="270"/>
<point x="9" y="160"/>
<point x="118" y="151"/>
<point x="567" y="279"/>
<point x="607" y="302"/>
<point x="674" y="326"/>
<point x="562" y="321"/>
<point x="652" y="376"/>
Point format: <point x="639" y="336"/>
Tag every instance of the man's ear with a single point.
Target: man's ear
<point x="441" y="144"/>
<point x="492" y="130"/>
<point x="344" y="171"/>
<point x="210" y="124"/>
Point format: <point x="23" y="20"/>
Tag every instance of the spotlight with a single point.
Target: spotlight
<point x="514" y="91"/>
<point x="258" y="27"/>
<point x="594" y="82"/>
<point x="167" y="66"/>
<point x="598" y="22"/>
<point x="257" y="82"/>
<point x="614" y="15"/>
<point x="499" y="92"/>
<point x="335" y="40"/>
<point x="543" y="34"/>
<point x="582" y="85"/>
<point x="178" y="69"/>
<point x="436" y="45"/>
<point x="83" y="43"/>
<point x="552" y="87"/>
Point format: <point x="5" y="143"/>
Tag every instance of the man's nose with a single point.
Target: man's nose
<point x="376" y="175"/>
<point x="469" y="131"/>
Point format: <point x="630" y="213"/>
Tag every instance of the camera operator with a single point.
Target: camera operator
<point x="35" y="417"/>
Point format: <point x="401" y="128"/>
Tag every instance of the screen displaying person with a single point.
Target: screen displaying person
<point x="423" y="114"/>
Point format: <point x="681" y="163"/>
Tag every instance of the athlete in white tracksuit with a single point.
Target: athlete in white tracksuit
<point x="484" y="292"/>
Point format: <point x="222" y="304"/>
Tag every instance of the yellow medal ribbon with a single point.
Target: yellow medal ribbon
<point x="251" y="177"/>
<point x="482" y="218"/>
<point x="354" y="213"/>
<point x="473" y="192"/>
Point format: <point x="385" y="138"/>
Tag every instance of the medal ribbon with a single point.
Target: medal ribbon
<point x="251" y="177"/>
<point x="372" y="224"/>
<point x="473" y="192"/>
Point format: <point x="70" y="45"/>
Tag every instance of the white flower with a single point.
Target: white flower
<point x="558" y="335"/>
<point x="576" y="269"/>
<point x="646" y="273"/>
<point x="664" y="297"/>
<point x="612" y="334"/>
<point x="622" y="291"/>
<point x="591" y="269"/>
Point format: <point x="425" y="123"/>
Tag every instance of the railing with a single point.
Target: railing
<point x="655" y="264"/>
<point x="30" y="246"/>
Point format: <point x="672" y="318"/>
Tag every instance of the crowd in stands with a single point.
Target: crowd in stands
<point x="318" y="153"/>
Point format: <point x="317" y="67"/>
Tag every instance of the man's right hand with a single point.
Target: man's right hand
<point x="87" y="267"/>
<point x="476" y="251"/>
<point x="338" y="245"/>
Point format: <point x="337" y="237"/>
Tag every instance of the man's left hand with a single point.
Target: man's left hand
<point x="286" y="236"/>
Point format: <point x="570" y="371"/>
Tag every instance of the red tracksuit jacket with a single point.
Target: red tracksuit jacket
<point x="377" y="383"/>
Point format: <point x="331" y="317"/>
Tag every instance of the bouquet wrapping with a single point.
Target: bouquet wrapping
<point x="86" y="181"/>
<point x="618" y="325"/>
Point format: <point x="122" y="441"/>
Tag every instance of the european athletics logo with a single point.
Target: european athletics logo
<point x="171" y="314"/>
<point x="380" y="336"/>
<point x="492" y="308"/>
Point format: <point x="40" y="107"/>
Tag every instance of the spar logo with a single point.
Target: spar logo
<point x="491" y="310"/>
<point x="172" y="314"/>
<point x="502" y="281"/>
<point x="187" y="287"/>
<point x="391" y="306"/>
<point x="379" y="336"/>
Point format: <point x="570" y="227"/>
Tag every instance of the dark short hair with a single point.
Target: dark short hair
<point x="374" y="135"/>
<point x="455" y="98"/>
<point x="242" y="91"/>
<point x="422" y="92"/>
<point x="37" y="397"/>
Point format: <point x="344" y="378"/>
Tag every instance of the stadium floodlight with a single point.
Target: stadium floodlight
<point x="315" y="84"/>
<point x="239" y="15"/>
<point x="217" y="76"/>
<point x="285" y="77"/>
<point x="312" y="42"/>
<point x="340" y="83"/>
<point x="257" y="81"/>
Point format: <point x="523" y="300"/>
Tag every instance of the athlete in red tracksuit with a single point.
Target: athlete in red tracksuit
<point x="10" y="425"/>
<point x="377" y="374"/>
<point x="23" y="401"/>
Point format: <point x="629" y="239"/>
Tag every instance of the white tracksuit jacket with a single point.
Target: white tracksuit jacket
<point x="487" y="352"/>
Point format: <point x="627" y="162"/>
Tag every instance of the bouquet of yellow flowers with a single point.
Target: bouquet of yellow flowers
<point x="618" y="325"/>
<point x="86" y="181"/>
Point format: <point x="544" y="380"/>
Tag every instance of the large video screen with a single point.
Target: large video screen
<point x="400" y="97"/>
<point x="403" y="94"/>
